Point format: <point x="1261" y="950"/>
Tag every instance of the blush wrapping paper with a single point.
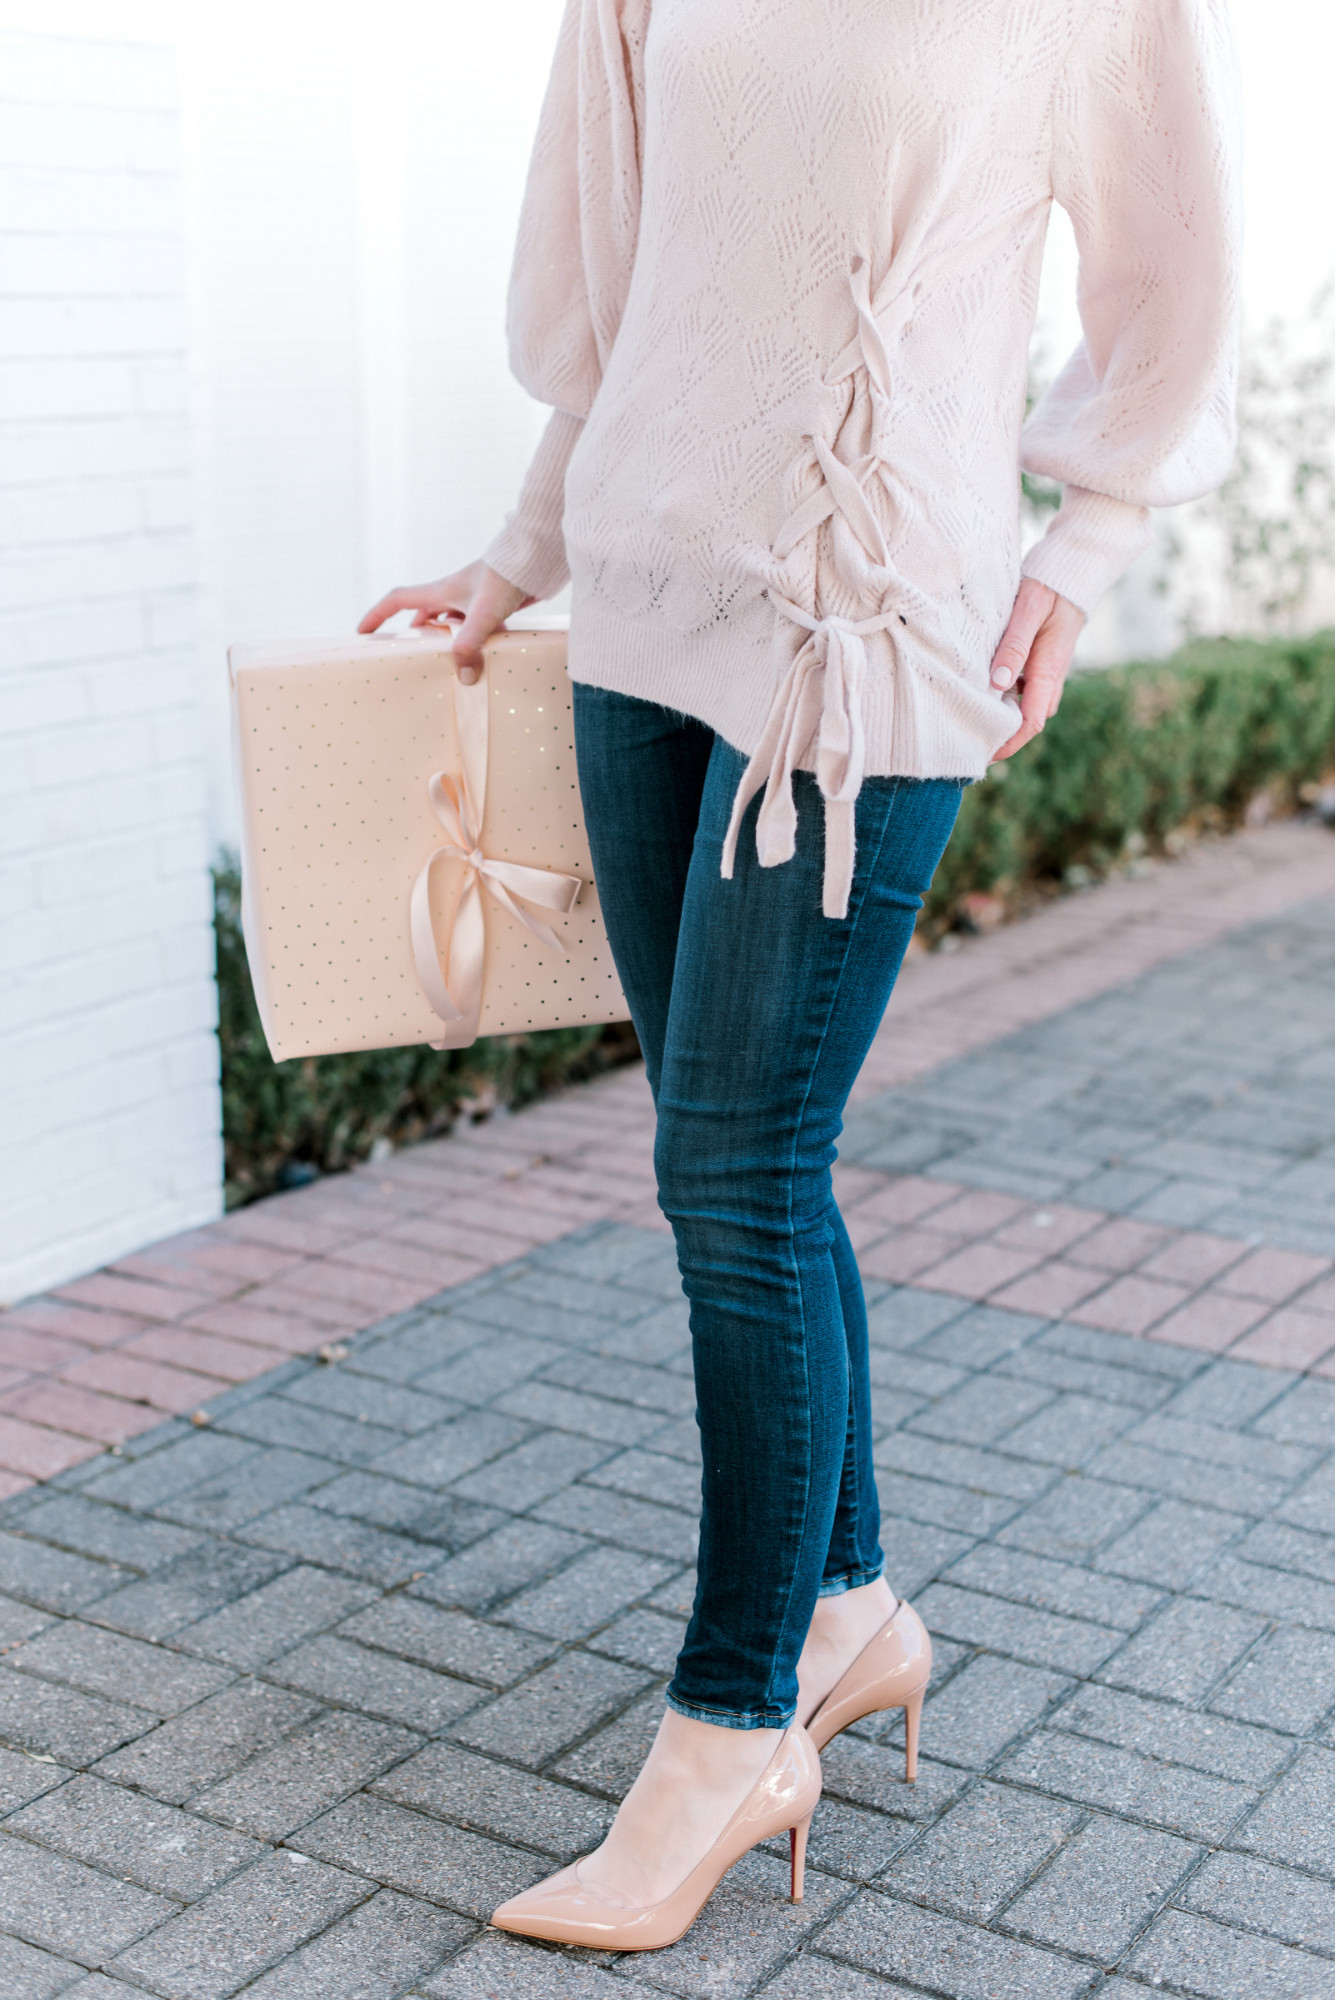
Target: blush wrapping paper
<point x="413" y="855"/>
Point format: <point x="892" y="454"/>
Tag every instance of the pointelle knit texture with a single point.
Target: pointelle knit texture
<point x="776" y="275"/>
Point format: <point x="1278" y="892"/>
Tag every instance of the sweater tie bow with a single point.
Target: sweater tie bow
<point x="820" y="700"/>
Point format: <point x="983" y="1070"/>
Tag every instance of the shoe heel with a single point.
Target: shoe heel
<point x="797" y="1849"/>
<point x="912" y="1716"/>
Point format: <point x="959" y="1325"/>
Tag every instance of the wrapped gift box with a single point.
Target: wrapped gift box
<point x="414" y="862"/>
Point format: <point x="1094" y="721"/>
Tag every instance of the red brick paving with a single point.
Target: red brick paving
<point x="179" y="1321"/>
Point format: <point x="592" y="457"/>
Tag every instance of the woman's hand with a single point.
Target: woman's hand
<point x="477" y="596"/>
<point x="1034" y="655"/>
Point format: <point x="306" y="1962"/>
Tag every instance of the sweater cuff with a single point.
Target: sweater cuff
<point x="1089" y="543"/>
<point x="530" y="550"/>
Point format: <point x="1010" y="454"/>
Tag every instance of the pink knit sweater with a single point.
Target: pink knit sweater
<point x="776" y="274"/>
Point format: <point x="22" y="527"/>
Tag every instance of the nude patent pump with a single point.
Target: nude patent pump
<point x="565" y="1911"/>
<point x="891" y="1671"/>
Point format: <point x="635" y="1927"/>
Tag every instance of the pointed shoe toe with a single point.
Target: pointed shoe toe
<point x="891" y="1671"/>
<point x="565" y="1910"/>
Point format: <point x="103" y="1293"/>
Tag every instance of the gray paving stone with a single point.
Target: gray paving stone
<point x="1305" y="1415"/>
<point x="983" y="1708"/>
<point x="1184" y="1651"/>
<point x="985" y="1848"/>
<point x="610" y="1760"/>
<point x="588" y="1594"/>
<point x="946" y="1956"/>
<point x="577" y="1291"/>
<point x="1184" y="1478"/>
<point x="904" y="1497"/>
<point x="1150" y="1357"/>
<point x="498" y="1566"/>
<point x="651" y="1475"/>
<point x="349" y="1394"/>
<point x="1312" y="1505"/>
<point x="872" y="1774"/>
<point x="146" y="1483"/>
<point x="421" y="1856"/>
<point x="904" y="1317"/>
<point x="1200" y="1739"/>
<point x="661" y="1389"/>
<point x="1296" y="1822"/>
<point x="29" y="1974"/>
<point x="979" y="1337"/>
<point x="1232" y="1394"/>
<point x="374" y="1953"/>
<point x="812" y="1978"/>
<point x="49" y="1720"/>
<point x="1099" y="1893"/>
<point x="247" y="1925"/>
<point x="536" y="1721"/>
<point x="532" y="1472"/>
<point x="498" y="1964"/>
<point x="61" y="1906"/>
<point x="540" y="1402"/>
<point x="1288" y="1683"/>
<point x="615" y="1517"/>
<point x="1241" y="1890"/>
<point x="849" y="1841"/>
<point x="963" y="1465"/>
<point x="276" y="1420"/>
<point x="135" y="1838"/>
<point x="260" y="1480"/>
<point x="982" y="1409"/>
<point x="305" y="1774"/>
<point x="335" y="1542"/>
<point x="643" y="1638"/>
<point x="1074" y="1518"/>
<point x="400" y="1350"/>
<point x="20" y="1621"/>
<point x="1063" y="1587"/>
<point x="1275" y="1544"/>
<point x="107" y="1663"/>
<point x="1120" y="1781"/>
<point x="1193" y="1955"/>
<point x="23" y="1777"/>
<point x="418" y="1511"/>
<point x="438" y="1457"/>
<point x="486" y="1796"/>
<point x="1098" y="1381"/>
<point x="70" y="1521"/>
<point x="1252" y="1456"/>
<point x="495" y="1362"/>
<point x="1070" y="1645"/>
<point x="376" y="1683"/>
<point x="447" y="1640"/>
<point x="1269" y="1592"/>
<point x="1171" y="1544"/>
<point x="207" y="1743"/>
<point x="97" y="1986"/>
<point x="1068" y="1431"/>
<point x="51" y="1578"/>
<point x="211" y="1575"/>
<point x="912" y="1375"/>
<point x="267" y="1622"/>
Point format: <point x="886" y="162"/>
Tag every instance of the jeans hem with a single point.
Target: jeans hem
<point x="729" y="1718"/>
<point x="851" y="1579"/>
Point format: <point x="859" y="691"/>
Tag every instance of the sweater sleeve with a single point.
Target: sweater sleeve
<point x="530" y="550"/>
<point x="1145" y="148"/>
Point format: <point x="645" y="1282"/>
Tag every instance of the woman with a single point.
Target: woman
<point x="776" y="276"/>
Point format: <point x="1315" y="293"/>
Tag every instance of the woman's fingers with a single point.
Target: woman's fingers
<point x="1047" y="659"/>
<point x="493" y="602"/>
<point x="1033" y="604"/>
<point x="429" y="600"/>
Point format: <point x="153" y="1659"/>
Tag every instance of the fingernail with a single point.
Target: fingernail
<point x="1002" y="678"/>
<point x="468" y="675"/>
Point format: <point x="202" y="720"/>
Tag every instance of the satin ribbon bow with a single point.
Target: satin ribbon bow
<point x="820" y="699"/>
<point x="456" y="992"/>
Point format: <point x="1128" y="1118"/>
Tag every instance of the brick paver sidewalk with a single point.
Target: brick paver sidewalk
<point x="295" y="1696"/>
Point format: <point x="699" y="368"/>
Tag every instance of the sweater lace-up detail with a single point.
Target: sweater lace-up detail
<point x="746" y="311"/>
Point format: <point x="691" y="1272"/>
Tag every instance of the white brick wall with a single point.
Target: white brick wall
<point x="109" y="1117"/>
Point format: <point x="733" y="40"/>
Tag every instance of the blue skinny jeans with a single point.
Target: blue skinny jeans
<point x="755" y="1012"/>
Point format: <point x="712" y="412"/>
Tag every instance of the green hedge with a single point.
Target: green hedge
<point x="1136" y="755"/>
<point x="281" y="1121"/>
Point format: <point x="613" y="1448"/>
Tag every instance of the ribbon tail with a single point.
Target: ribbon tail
<point x="467" y="939"/>
<point x="545" y="886"/>
<point x="426" y="956"/>
<point x="543" y="932"/>
<point x="840" y="855"/>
